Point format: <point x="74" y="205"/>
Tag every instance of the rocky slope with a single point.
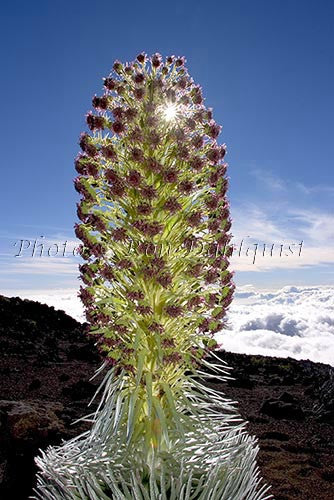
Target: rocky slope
<point x="46" y="364"/>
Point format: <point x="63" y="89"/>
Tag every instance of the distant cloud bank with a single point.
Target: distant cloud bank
<point x="296" y="321"/>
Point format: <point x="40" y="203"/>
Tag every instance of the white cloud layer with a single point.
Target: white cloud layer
<point x="294" y="321"/>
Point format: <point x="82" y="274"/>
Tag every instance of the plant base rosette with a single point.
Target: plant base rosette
<point x="206" y="452"/>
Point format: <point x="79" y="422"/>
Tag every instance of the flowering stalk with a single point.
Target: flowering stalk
<point x="154" y="225"/>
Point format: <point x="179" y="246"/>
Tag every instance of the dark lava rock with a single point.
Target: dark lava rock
<point x="280" y="409"/>
<point x="80" y="390"/>
<point x="277" y="436"/>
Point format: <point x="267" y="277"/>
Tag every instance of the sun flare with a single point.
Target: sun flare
<point x="170" y="112"/>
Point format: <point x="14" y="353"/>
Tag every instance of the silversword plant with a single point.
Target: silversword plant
<point x="154" y="226"/>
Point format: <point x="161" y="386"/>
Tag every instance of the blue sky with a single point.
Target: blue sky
<point x="267" y="70"/>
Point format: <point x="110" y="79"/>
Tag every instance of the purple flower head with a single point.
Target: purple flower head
<point x="213" y="154"/>
<point x="182" y="151"/>
<point x="112" y="176"/>
<point x="141" y="57"/>
<point x="172" y="359"/>
<point x="109" y="152"/>
<point x="154" y="138"/>
<point x="222" y="168"/>
<point x="170" y="175"/>
<point x="100" y="102"/>
<point x="109" y="83"/>
<point x="79" y="164"/>
<point x="153" y="228"/>
<point x="197" y="141"/>
<point x="82" y="216"/>
<point x="79" y="231"/>
<point x="135" y="295"/>
<point x="223" y="212"/>
<point x="128" y="70"/>
<point x="228" y="225"/>
<point x="172" y="205"/>
<point x="156" y="60"/>
<point x="130" y="114"/>
<point x="137" y="155"/>
<point x="186" y="187"/>
<point x="213" y="129"/>
<point x="144" y="310"/>
<point x="139" y="93"/>
<point x="86" y="296"/>
<point x="158" y="262"/>
<point x="120" y="89"/>
<point x="190" y="242"/>
<point x="222" y="240"/>
<point x="92" y="169"/>
<point x="209" y="114"/>
<point x="107" y="273"/>
<point x="98" y="249"/>
<point x="86" y="145"/>
<point x="139" y="78"/>
<point x="222" y="189"/>
<point x="184" y="100"/>
<point x="214" y="225"/>
<point x="149" y="271"/>
<point x="220" y="262"/>
<point x="117" y="67"/>
<point x="164" y="279"/>
<point x="86" y="269"/>
<point x="173" y="310"/>
<point x="152" y="121"/>
<point x="117" y="189"/>
<point x="182" y="82"/>
<point x="197" y="98"/>
<point x="95" y="122"/>
<point x="195" y="219"/>
<point x="170" y="59"/>
<point x="118" y="113"/>
<point x="84" y="252"/>
<point x="212" y="299"/>
<point x="194" y="302"/>
<point x="119" y="234"/>
<point x="118" y="127"/>
<point x="124" y="264"/>
<point x="211" y="276"/>
<point x="191" y="123"/>
<point x="196" y="163"/>
<point x="222" y="151"/>
<point x="97" y="222"/>
<point x="167" y="343"/>
<point x="144" y="209"/>
<point x="146" y="248"/>
<point x="78" y="185"/>
<point x="213" y="178"/>
<point x="155" y="327"/>
<point x="195" y="270"/>
<point x="164" y="70"/>
<point x="136" y="135"/>
<point x="204" y="325"/>
<point x="179" y="135"/>
<point x="134" y="178"/>
<point x="180" y="61"/>
<point x="226" y="278"/>
<point x="212" y="202"/>
<point x="148" y="192"/>
<point x="152" y="165"/>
